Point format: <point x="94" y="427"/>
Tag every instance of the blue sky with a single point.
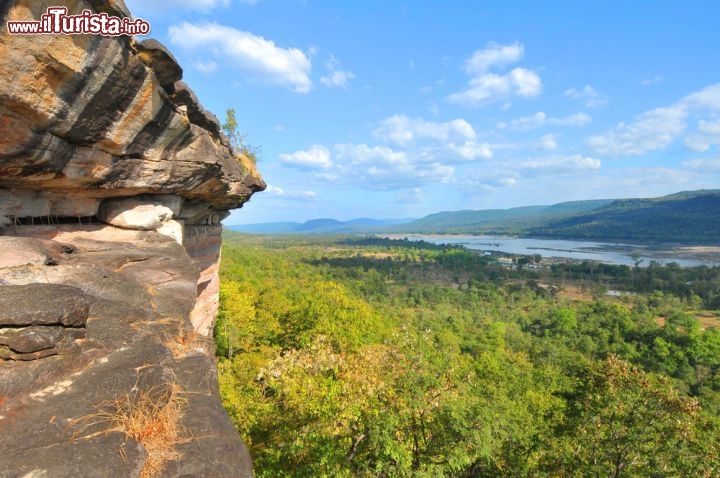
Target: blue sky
<point x="392" y="109"/>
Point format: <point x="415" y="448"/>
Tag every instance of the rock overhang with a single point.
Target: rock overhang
<point x="113" y="182"/>
<point x="89" y="116"/>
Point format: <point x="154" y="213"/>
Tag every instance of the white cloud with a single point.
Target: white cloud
<point x="371" y="167"/>
<point x="659" y="127"/>
<point x="429" y="141"/>
<point x="485" y="87"/>
<point x="382" y="168"/>
<point x="706" y="99"/>
<point x="317" y="157"/>
<point x="417" y="152"/>
<point x="255" y="56"/>
<point x="561" y="164"/>
<point x="540" y="119"/>
<point x="588" y="94"/>
<point x="335" y="76"/>
<point x="704" y="166"/>
<point x="493" y="55"/>
<point x="401" y="130"/>
<point x="490" y="87"/>
<point x="470" y="150"/>
<point x="278" y="191"/>
<point x="652" y="130"/>
<point x="706" y="135"/>
<point x="526" y="82"/>
<point x="362" y="153"/>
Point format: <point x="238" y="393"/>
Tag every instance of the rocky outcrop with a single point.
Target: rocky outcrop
<point x="113" y="183"/>
<point x="102" y="128"/>
<point x="104" y="314"/>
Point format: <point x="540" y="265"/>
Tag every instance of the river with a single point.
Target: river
<point x="608" y="252"/>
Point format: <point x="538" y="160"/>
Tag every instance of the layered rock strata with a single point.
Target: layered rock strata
<point x="113" y="183"/>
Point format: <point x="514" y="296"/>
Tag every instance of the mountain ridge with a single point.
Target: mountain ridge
<point x="689" y="217"/>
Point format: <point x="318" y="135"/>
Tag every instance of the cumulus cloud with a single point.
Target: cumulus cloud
<point x="355" y="154"/>
<point x="493" y="55"/>
<point x="400" y="129"/>
<point x="278" y="191"/>
<point x="335" y="76"/>
<point x="256" y="57"/>
<point x="587" y="94"/>
<point x="375" y="167"/>
<point x="705" y="136"/>
<point x="707" y="99"/>
<point x="430" y="141"/>
<point x="317" y="157"/>
<point x="654" y="129"/>
<point x="540" y="119"/>
<point x="470" y="150"/>
<point x="490" y="87"/>
<point x="658" y="128"/>
<point x="485" y="87"/>
<point x="381" y="167"/>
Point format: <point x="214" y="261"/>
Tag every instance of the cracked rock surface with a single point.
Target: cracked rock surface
<point x="116" y="316"/>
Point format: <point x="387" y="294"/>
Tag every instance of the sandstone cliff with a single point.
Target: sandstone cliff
<point x="113" y="182"/>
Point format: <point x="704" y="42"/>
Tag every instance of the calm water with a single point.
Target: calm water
<point x="613" y="253"/>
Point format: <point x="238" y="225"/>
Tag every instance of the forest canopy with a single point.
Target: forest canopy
<point x="375" y="357"/>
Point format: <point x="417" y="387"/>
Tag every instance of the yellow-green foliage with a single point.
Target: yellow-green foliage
<point x="346" y="361"/>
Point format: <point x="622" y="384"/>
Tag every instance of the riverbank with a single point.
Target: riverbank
<point x="607" y="252"/>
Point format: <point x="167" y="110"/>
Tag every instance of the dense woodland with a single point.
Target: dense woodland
<point x="373" y="357"/>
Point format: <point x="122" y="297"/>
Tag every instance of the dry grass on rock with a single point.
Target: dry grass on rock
<point x="151" y="418"/>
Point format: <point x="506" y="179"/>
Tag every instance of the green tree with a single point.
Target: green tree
<point x="625" y="422"/>
<point x="239" y="141"/>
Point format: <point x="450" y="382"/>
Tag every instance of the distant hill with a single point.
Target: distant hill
<point x="691" y="217"/>
<point x="497" y="221"/>
<point x="321" y="226"/>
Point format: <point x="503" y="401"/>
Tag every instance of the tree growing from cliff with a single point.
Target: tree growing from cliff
<point x="239" y="141"/>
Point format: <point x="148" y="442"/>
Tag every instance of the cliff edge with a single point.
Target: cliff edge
<point x="113" y="183"/>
